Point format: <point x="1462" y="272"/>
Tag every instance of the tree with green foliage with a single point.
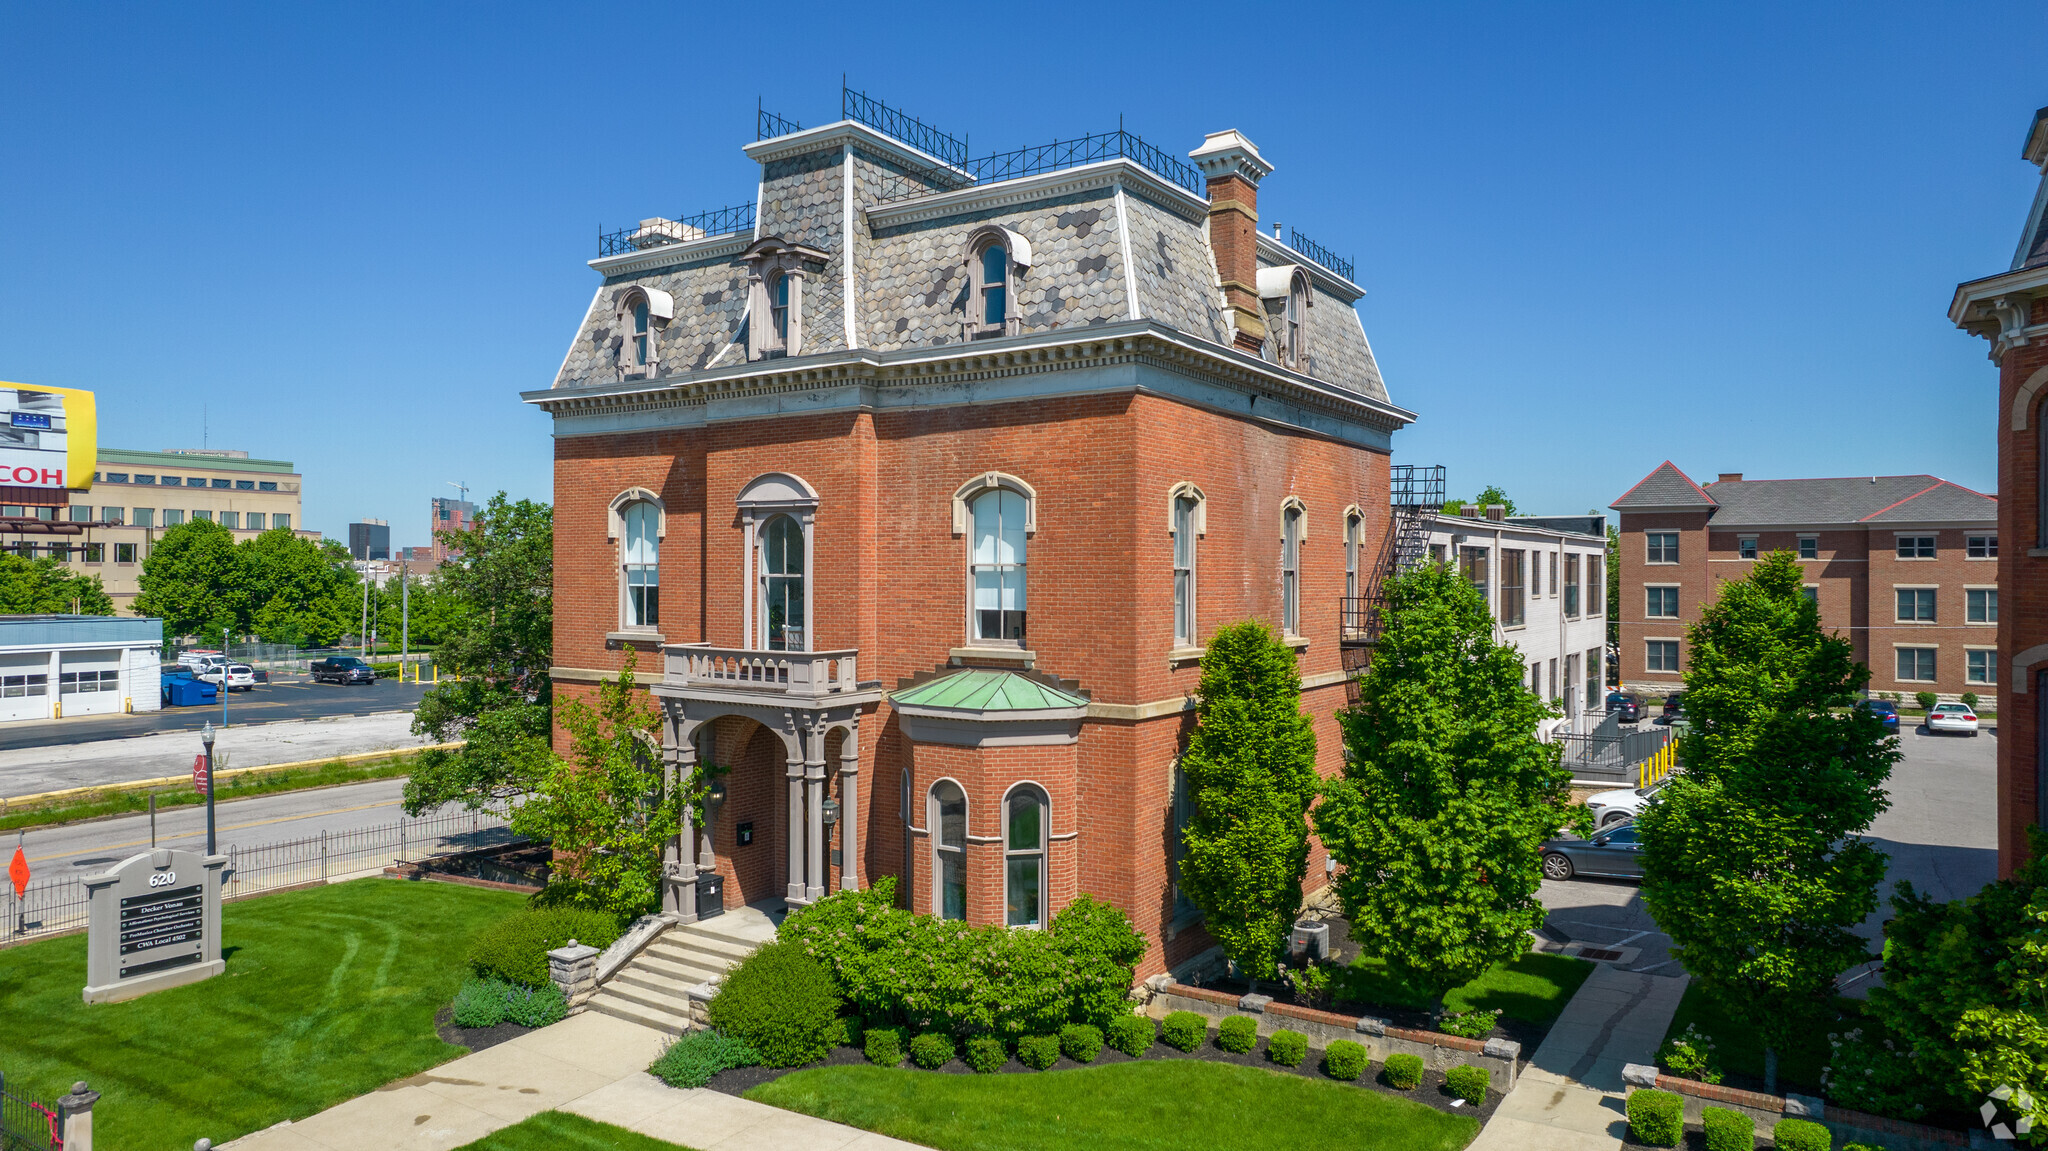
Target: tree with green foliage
<point x="1446" y="791"/>
<point x="1753" y="859"/>
<point x="296" y="590"/>
<point x="193" y="580"/>
<point x="47" y="587"/>
<point x="498" y="644"/>
<point x="605" y="809"/>
<point x="1251" y="772"/>
<point x="1492" y="494"/>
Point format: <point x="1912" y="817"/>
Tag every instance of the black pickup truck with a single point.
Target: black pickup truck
<point x="343" y="669"/>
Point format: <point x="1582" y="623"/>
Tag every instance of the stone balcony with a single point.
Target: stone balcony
<point x="803" y="678"/>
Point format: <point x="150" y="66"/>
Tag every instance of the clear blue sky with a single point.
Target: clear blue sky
<point x="1594" y="236"/>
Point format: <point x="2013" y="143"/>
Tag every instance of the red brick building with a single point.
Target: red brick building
<point x="1905" y="566"/>
<point x="918" y="492"/>
<point x="2010" y="310"/>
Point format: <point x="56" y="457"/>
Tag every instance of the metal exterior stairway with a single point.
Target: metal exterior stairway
<point x="1415" y="493"/>
<point x="653" y="988"/>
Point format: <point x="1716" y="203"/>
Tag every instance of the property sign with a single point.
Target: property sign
<point x="155" y="923"/>
<point x="49" y="437"/>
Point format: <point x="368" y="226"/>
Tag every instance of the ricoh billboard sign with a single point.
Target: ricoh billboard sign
<point x="49" y="437"/>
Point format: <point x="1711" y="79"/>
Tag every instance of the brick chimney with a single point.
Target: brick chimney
<point x="1730" y="478"/>
<point x="1468" y="511"/>
<point x="1234" y="168"/>
<point x="1497" y="512"/>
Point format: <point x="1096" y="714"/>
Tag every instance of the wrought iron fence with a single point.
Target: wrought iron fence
<point x="26" y="1125"/>
<point x="61" y="905"/>
<point x="897" y="125"/>
<point x="1044" y="158"/>
<point x="658" y="232"/>
<point x="767" y="125"/>
<point x="1318" y="253"/>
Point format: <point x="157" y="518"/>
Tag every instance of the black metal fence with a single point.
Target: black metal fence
<point x="1318" y="253"/>
<point x="898" y="125"/>
<point x="639" y="237"/>
<point x="767" y="125"/>
<point x="1031" y="161"/>
<point x="26" y="1125"/>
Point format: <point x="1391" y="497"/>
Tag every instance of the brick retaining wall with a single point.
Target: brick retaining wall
<point x="1847" y="1126"/>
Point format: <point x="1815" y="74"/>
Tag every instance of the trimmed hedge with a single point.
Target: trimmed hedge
<point x="884" y="1046"/>
<point x="1132" y="1034"/>
<point x="1184" y="1030"/>
<point x="932" y="1050"/>
<point x="1287" y="1048"/>
<point x="986" y="1054"/>
<point x="1081" y="1042"/>
<point x="782" y="1003"/>
<point x="1468" y="1083"/>
<point x="692" y="1060"/>
<point x="1402" y="1071"/>
<point x="515" y="949"/>
<point x="489" y="1002"/>
<point x="845" y="1031"/>
<point x="1238" y="1034"/>
<point x="1801" y="1135"/>
<point x="1656" y="1118"/>
<point x="1728" y="1130"/>
<point x="1345" y="1059"/>
<point x="1038" y="1052"/>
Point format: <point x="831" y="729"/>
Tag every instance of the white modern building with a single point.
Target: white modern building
<point x="64" y="666"/>
<point x="1545" y="581"/>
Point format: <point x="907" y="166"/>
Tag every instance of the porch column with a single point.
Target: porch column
<point x="814" y="802"/>
<point x="849" y="816"/>
<point x="679" y="871"/>
<point x="796" y="827"/>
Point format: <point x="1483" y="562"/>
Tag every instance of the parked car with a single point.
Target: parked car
<point x="1885" y="710"/>
<point x="1612" y="853"/>
<point x="200" y="660"/>
<point x="1674" y="706"/>
<point x="1952" y="717"/>
<point x="1626" y="704"/>
<point x="239" y="676"/>
<point x="1622" y="804"/>
<point x="343" y="669"/>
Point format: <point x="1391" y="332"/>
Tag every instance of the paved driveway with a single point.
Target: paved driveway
<point x="1941" y="833"/>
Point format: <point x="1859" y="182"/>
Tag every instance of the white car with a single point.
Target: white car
<point x="240" y="676"/>
<point x="1612" y="807"/>
<point x="1952" y="717"/>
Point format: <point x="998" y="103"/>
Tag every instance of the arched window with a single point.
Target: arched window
<point x="782" y="585"/>
<point x="641" y="336"/>
<point x="909" y="840"/>
<point x="947" y="818"/>
<point x="2041" y="482"/>
<point x="997" y="575"/>
<point x="1354" y="527"/>
<point x="1290" y="568"/>
<point x="1186" y="511"/>
<point x="640" y="564"/>
<point x="778" y="312"/>
<point x="995" y="285"/>
<point x="1024" y="833"/>
<point x="1297" y="324"/>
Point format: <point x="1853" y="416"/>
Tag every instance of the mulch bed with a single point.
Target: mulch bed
<point x="1430" y="1092"/>
<point x="474" y="1038"/>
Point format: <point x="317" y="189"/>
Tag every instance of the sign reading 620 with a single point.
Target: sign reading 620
<point x="163" y="879"/>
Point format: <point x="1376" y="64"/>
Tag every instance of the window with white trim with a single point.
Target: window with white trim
<point x="1982" y="667"/>
<point x="1185" y="512"/>
<point x="1980" y="605"/>
<point x="1513" y="609"/>
<point x="1916" y="547"/>
<point x="1915" y="604"/>
<point x="640" y="565"/>
<point x="782" y="584"/>
<point x="997" y="567"/>
<point x="1745" y="547"/>
<point x="1662" y="547"/>
<point x="1296" y="348"/>
<point x="1809" y="547"/>
<point x="643" y="336"/>
<point x="1025" y="812"/>
<point x="1354" y="530"/>
<point x="1596" y="585"/>
<point x="778" y="314"/>
<point x="1981" y="547"/>
<point x="1571" y="586"/>
<point x="1916" y="664"/>
<point x="1660" y="655"/>
<point x="946" y="815"/>
<point x="1290" y="569"/>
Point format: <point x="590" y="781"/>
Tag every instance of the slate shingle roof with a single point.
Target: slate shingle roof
<point x="1853" y="499"/>
<point x="1666" y="487"/>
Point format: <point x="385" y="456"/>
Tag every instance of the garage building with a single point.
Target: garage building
<point x="54" y="666"/>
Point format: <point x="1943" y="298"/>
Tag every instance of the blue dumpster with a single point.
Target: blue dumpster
<point x="184" y="691"/>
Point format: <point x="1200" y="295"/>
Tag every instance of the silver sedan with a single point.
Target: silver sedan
<point x="1612" y="853"/>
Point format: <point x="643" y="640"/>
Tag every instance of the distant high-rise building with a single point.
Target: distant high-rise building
<point x="370" y="540"/>
<point x="449" y="516"/>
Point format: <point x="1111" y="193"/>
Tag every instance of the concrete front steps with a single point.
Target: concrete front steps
<point x="653" y="989"/>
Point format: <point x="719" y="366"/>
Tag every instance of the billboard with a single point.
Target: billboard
<point x="49" y="437"/>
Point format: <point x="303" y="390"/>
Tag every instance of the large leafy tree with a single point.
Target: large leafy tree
<point x="1251" y="771"/>
<point x="498" y="644"/>
<point x="1752" y="859"/>
<point x="1446" y="792"/>
<point x="46" y="586"/>
<point x="193" y="579"/>
<point x="298" y="591"/>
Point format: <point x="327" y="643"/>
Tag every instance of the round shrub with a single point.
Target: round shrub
<point x="1038" y="1052"/>
<point x="692" y="1060"/>
<point x="986" y="1054"/>
<point x="1184" y="1029"/>
<point x="931" y="1050"/>
<point x="1728" y="1129"/>
<point x="1132" y="1034"/>
<point x="1801" y="1135"/>
<point x="1345" y="1059"/>
<point x="1287" y="1048"/>
<point x="1467" y="1082"/>
<point x="1657" y="1118"/>
<point x="884" y="1046"/>
<point x="782" y="1002"/>
<point x="1080" y="1042"/>
<point x="1402" y="1071"/>
<point x="516" y="948"/>
<point x="1238" y="1034"/>
<point x="536" y="1006"/>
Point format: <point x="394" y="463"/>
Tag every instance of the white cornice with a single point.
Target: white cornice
<point x="1330" y="281"/>
<point x="1103" y="174"/>
<point x="842" y="132"/>
<point x="666" y="255"/>
<point x="1971" y="292"/>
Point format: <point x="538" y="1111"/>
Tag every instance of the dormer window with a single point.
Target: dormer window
<point x="995" y="285"/>
<point x="1285" y="293"/>
<point x="778" y="310"/>
<point x="997" y="257"/>
<point x="641" y="316"/>
<point x="640" y="334"/>
<point x="778" y="271"/>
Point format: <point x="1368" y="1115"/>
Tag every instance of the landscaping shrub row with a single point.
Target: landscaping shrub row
<point x="1657" y="1119"/>
<point x="515" y="949"/>
<point x="489" y="1002"/>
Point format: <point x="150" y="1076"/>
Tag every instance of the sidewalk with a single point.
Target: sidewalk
<point x="591" y="1064"/>
<point x="1571" y="1097"/>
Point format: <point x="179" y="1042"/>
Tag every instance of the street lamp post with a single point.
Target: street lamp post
<point x="206" y="736"/>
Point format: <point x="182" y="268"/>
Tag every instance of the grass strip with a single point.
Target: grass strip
<point x="329" y="993"/>
<point x="99" y="805"/>
<point x="1533" y="987"/>
<point x="1149" y="1105"/>
<point x="563" y="1131"/>
<point x="1739" y="1052"/>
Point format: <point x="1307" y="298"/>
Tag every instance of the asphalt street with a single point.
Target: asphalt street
<point x="157" y="755"/>
<point x="287" y="699"/>
<point x="1940" y="832"/>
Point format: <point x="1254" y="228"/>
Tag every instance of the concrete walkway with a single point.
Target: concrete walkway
<point x="591" y="1064"/>
<point x="1571" y="1097"/>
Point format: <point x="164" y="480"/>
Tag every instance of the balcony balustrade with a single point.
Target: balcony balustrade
<point x="809" y="674"/>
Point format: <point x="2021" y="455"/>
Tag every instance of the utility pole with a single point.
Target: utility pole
<point x="227" y="663"/>
<point x="363" y="632"/>
<point x="404" y="619"/>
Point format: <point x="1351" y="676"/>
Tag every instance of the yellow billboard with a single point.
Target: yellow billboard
<point x="49" y="437"/>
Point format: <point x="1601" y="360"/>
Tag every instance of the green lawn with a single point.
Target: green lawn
<point x="1153" y="1105"/>
<point x="1533" y="988"/>
<point x="1799" y="1067"/>
<point x="328" y="993"/>
<point x="561" y="1131"/>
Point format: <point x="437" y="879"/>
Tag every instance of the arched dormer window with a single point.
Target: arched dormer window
<point x="997" y="514"/>
<point x="642" y="313"/>
<point x="778" y="513"/>
<point x="996" y="260"/>
<point x="1288" y="298"/>
<point x="776" y="273"/>
<point x="1186" y="509"/>
<point x="638" y="521"/>
<point x="778" y="309"/>
<point x="1025" y="817"/>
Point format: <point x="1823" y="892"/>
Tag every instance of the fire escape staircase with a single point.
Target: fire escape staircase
<point x="1415" y="493"/>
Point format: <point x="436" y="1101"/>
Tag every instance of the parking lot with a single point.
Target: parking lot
<point x="285" y="698"/>
<point x="1940" y="832"/>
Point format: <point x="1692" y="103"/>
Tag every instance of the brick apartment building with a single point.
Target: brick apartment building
<point x="445" y="515"/>
<point x="1905" y="566"/>
<point x="2010" y="310"/>
<point x="918" y="493"/>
